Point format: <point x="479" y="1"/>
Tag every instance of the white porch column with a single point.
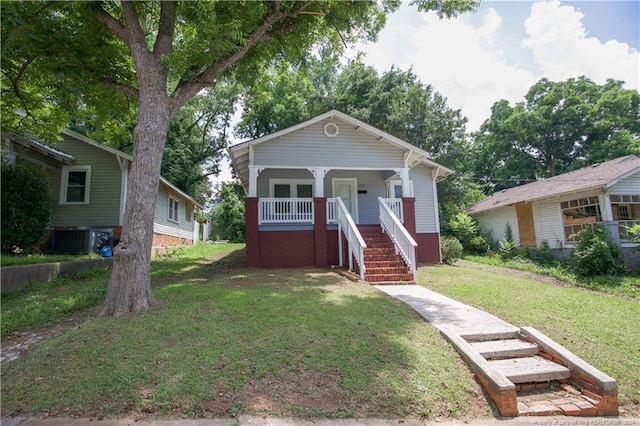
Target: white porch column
<point x="319" y="173"/>
<point x="254" y="171"/>
<point x="404" y="177"/>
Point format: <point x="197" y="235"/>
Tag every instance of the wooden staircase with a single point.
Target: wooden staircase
<point x="382" y="264"/>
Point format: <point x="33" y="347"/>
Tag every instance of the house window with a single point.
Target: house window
<point x="174" y="209"/>
<point x="394" y="189"/>
<point x="75" y="185"/>
<point x="288" y="188"/>
<point x="626" y="211"/>
<point x="577" y="214"/>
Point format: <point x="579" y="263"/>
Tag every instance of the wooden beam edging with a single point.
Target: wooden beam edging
<point x="501" y="389"/>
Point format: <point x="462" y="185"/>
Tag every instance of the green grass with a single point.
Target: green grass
<point x="603" y="329"/>
<point x="622" y="285"/>
<point x="225" y="340"/>
<point x="29" y="259"/>
<point x="54" y="302"/>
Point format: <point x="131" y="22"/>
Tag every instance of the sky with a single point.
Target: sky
<point x="505" y="47"/>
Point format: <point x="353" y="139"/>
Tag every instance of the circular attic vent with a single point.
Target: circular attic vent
<point x="331" y="130"/>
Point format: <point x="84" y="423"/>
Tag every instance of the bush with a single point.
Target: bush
<point x="228" y="216"/>
<point x="508" y="249"/>
<point x="543" y="253"/>
<point x="595" y="254"/>
<point x="478" y="245"/>
<point x="464" y="228"/>
<point x="26" y="206"/>
<point x="451" y="250"/>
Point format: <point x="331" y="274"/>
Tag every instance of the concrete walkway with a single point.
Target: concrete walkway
<point x="448" y="315"/>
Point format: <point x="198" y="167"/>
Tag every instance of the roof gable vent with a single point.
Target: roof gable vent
<point x="331" y="130"/>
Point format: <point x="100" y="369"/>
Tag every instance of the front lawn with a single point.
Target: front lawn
<point x="225" y="340"/>
<point x="600" y="328"/>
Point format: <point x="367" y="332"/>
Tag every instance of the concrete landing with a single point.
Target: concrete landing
<point x="530" y="369"/>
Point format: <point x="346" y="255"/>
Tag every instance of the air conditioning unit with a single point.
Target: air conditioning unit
<point x="71" y="241"/>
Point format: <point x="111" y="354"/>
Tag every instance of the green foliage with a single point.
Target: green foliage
<point x="508" y="232"/>
<point x="543" y="253"/>
<point x="464" y="228"/>
<point x="595" y="254"/>
<point x="633" y="232"/>
<point x="451" y="250"/>
<point x="228" y="215"/>
<point x="559" y="127"/>
<point x="26" y="206"/>
<point x="478" y="245"/>
<point x="508" y="249"/>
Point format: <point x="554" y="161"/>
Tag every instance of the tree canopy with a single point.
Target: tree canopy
<point x="559" y="127"/>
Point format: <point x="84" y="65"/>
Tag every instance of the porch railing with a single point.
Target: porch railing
<point x="395" y="205"/>
<point x="285" y="210"/>
<point x="355" y="242"/>
<point x="571" y="231"/>
<point x="403" y="241"/>
<point x="332" y="211"/>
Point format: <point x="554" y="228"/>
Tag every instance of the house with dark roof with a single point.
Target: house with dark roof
<point x="89" y="184"/>
<point x="334" y="190"/>
<point x="555" y="209"/>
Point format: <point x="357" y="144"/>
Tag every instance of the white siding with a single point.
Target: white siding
<point x="311" y="147"/>
<point x="370" y="181"/>
<point x="628" y="186"/>
<point x="161" y="222"/>
<point x="495" y="221"/>
<point x="425" y="199"/>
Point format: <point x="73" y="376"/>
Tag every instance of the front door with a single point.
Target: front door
<point x="346" y="189"/>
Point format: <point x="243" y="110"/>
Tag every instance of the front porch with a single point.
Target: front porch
<point x="320" y="232"/>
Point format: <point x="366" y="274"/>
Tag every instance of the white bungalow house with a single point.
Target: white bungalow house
<point x="555" y="209"/>
<point x="321" y="192"/>
<point x="89" y="181"/>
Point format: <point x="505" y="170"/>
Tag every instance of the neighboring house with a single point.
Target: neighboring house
<point x="89" y="181"/>
<point x="555" y="209"/>
<point x="334" y="175"/>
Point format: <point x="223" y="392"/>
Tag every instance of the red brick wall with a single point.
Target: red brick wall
<point x="252" y="236"/>
<point x="169" y="240"/>
<point x="428" y="250"/>
<point x="285" y="249"/>
<point x="332" y="248"/>
<point x="320" y="234"/>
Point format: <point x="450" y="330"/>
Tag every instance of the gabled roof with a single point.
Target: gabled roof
<point x="239" y="153"/>
<point x="597" y="176"/>
<point x="126" y="156"/>
<point x="44" y="149"/>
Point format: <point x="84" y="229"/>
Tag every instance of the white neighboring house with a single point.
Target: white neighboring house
<point x="555" y="209"/>
<point x="89" y="181"/>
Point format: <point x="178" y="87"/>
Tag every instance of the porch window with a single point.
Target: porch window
<point x="289" y="188"/>
<point x="394" y="189"/>
<point x="577" y="214"/>
<point x="626" y="211"/>
<point x="75" y="184"/>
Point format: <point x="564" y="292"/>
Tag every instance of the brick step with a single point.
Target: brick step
<point x="387" y="271"/>
<point x="530" y="369"/>
<point x="381" y="244"/>
<point x="501" y="349"/>
<point x="382" y="257"/>
<point x="397" y="263"/>
<point x="375" y="251"/>
<point x="395" y="278"/>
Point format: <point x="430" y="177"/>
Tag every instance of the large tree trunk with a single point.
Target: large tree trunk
<point x="129" y="289"/>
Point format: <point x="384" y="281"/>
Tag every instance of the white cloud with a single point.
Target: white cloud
<point x="464" y="63"/>
<point x="562" y="49"/>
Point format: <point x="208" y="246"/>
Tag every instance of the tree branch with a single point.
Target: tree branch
<point x="109" y="21"/>
<point x="128" y="90"/>
<point x="166" y="29"/>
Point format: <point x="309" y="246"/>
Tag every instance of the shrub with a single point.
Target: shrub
<point x="543" y="253"/>
<point x="595" y="254"/>
<point x="508" y="249"/>
<point x="26" y="206"/>
<point x="451" y="250"/>
<point x="478" y="245"/>
<point x="464" y="228"/>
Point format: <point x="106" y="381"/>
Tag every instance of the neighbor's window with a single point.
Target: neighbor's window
<point x="174" y="208"/>
<point x="75" y="184"/>
<point x="576" y="214"/>
<point x="626" y="211"/>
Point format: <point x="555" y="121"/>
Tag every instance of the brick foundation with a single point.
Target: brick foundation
<point x="170" y="240"/>
<point x="286" y="249"/>
<point x="428" y="250"/>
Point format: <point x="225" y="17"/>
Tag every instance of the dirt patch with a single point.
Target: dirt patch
<point x="305" y="391"/>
